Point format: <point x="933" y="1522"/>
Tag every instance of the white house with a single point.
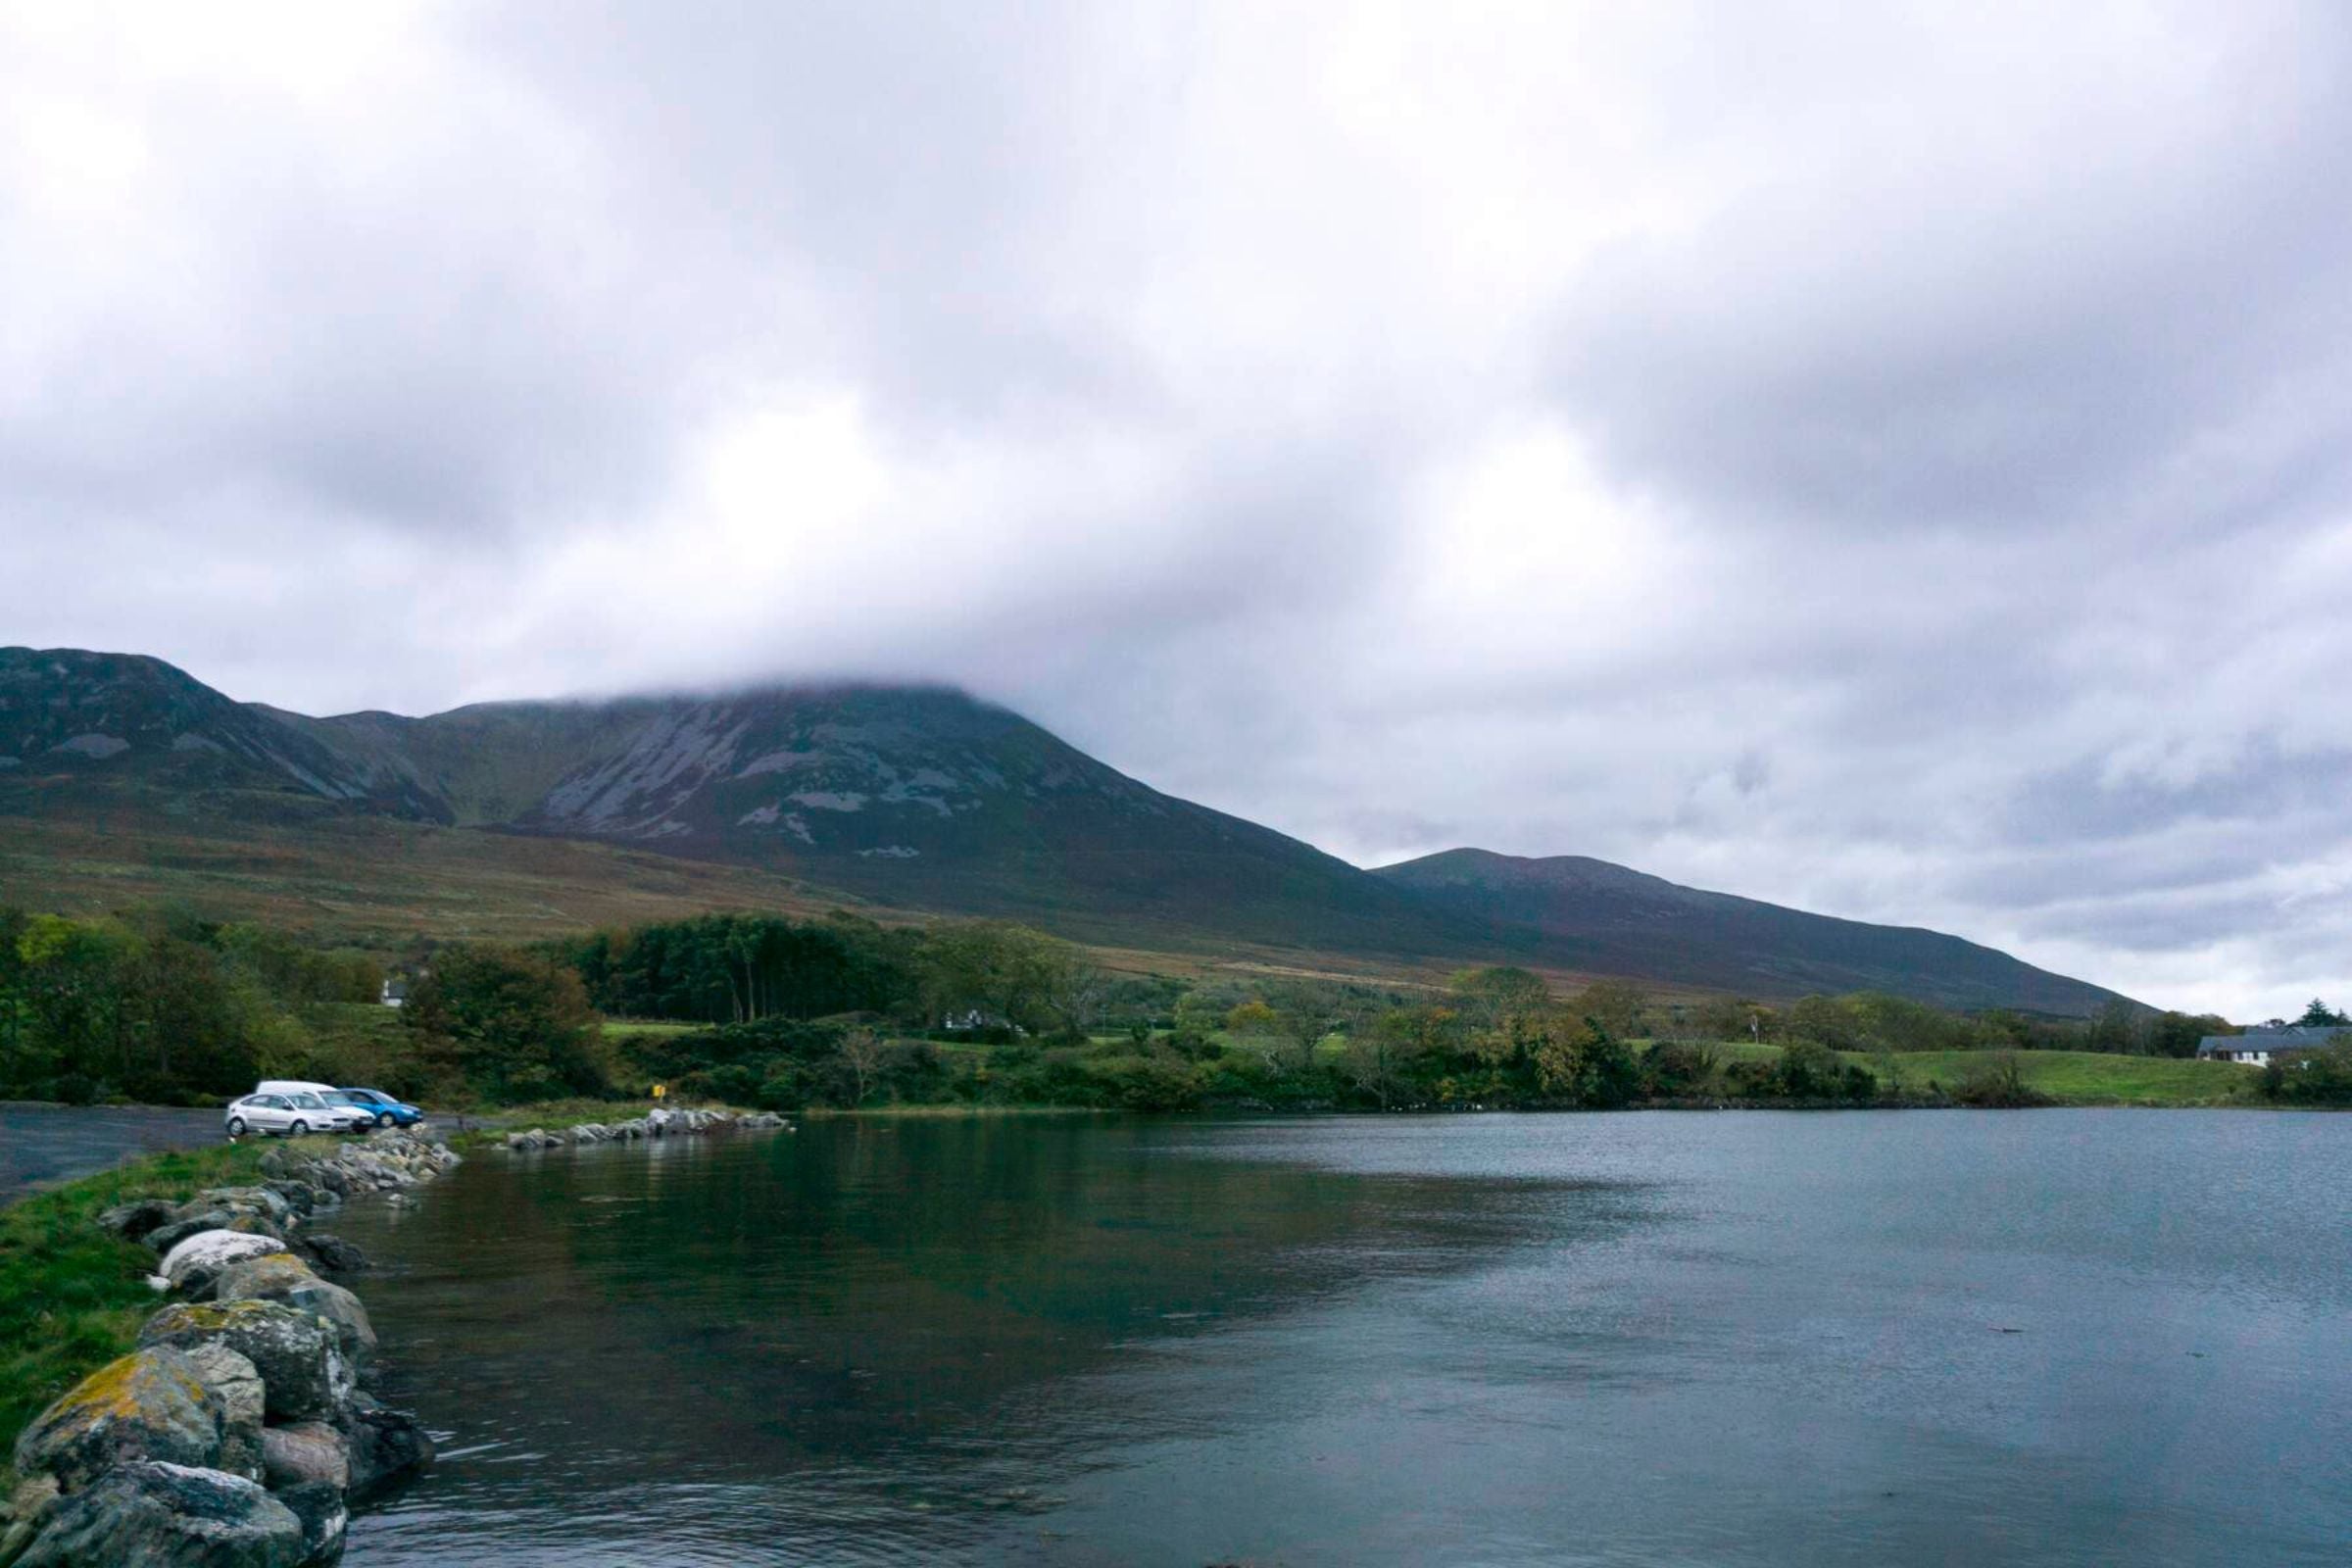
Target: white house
<point x="2255" y="1045"/>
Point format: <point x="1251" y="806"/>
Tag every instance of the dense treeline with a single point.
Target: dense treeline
<point x="841" y="1011"/>
<point x="742" y="968"/>
<point x="739" y="968"/>
<point x="1496" y="1037"/>
<point x="161" y="1005"/>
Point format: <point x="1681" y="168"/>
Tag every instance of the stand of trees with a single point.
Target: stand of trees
<point x="159" y="1006"/>
<point x="843" y="1012"/>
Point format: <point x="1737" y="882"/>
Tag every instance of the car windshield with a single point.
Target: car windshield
<point x="365" y="1097"/>
<point x="343" y="1096"/>
<point x="307" y="1101"/>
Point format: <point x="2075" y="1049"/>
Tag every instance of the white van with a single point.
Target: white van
<point x="292" y="1086"/>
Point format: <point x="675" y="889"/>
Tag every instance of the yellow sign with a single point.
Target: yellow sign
<point x="660" y="1089"/>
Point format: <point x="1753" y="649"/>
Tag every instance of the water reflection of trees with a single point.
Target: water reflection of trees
<point x="869" y="1287"/>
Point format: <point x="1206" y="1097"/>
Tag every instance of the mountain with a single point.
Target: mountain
<point x="1606" y="919"/>
<point x="915" y="798"/>
<point x="919" y="799"/>
<point x="75" y="723"/>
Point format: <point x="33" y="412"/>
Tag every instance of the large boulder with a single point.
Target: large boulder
<point x="161" y="1515"/>
<point x="237" y="1384"/>
<point x="305" y="1450"/>
<point x="298" y="1197"/>
<point x="151" y="1404"/>
<point x="134" y="1220"/>
<point x="325" y="1513"/>
<point x="271" y="1271"/>
<point x="385" y="1444"/>
<point x="194" y="1263"/>
<point x="260" y="1202"/>
<point x="285" y="1279"/>
<point x="187" y="1220"/>
<point x="303" y="1369"/>
<point x="329" y="1253"/>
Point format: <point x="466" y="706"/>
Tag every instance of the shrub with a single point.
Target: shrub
<point x="1999" y="1081"/>
<point x="2320" y="1077"/>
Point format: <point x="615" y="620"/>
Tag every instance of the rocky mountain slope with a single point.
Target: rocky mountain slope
<point x="913" y="798"/>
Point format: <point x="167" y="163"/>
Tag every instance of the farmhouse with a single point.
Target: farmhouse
<point x="2255" y="1045"/>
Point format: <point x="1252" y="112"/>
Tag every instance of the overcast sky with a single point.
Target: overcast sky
<point x="1888" y="459"/>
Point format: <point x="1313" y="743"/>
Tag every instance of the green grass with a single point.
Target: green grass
<point x="2068" y="1077"/>
<point x="2090" y="1078"/>
<point x="73" y="1297"/>
<point x="648" y="1029"/>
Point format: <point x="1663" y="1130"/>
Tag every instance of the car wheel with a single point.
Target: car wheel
<point x="236" y="1126"/>
<point x="298" y="1130"/>
<point x="383" y="1118"/>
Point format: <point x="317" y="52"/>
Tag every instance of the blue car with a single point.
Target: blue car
<point x="387" y="1111"/>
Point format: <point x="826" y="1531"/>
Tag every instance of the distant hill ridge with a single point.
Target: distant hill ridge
<point x="927" y="799"/>
<point x="1605" y="918"/>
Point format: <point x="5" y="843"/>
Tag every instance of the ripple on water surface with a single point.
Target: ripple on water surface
<point x="1753" y="1338"/>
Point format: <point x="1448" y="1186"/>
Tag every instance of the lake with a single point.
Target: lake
<point x="2047" y="1337"/>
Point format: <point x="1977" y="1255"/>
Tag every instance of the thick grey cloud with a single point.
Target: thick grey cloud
<point x="1893" y="461"/>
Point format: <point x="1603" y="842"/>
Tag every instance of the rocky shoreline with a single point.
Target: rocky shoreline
<point x="242" y="1431"/>
<point x="652" y="1124"/>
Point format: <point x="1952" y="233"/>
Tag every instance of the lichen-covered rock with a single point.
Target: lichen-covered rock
<point x="148" y="1514"/>
<point x="283" y="1278"/>
<point x="149" y="1404"/>
<point x="384" y="1443"/>
<point x="134" y="1220"/>
<point x="255" y="1200"/>
<point x="271" y="1271"/>
<point x="237" y="1384"/>
<point x="305" y="1450"/>
<point x="329" y="1252"/>
<point x="35" y="1496"/>
<point x="194" y="1263"/>
<point x="302" y="1365"/>
<point x="298" y="1197"/>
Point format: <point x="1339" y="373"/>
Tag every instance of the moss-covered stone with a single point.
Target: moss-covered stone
<point x="196" y="1261"/>
<point x="288" y="1281"/>
<point x="303" y="1369"/>
<point x="149" y="1404"/>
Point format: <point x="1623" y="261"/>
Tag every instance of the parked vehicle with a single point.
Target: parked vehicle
<point x="292" y="1115"/>
<point x="386" y="1111"/>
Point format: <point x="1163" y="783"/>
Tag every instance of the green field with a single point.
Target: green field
<point x="2068" y="1077"/>
<point x="2087" y="1078"/>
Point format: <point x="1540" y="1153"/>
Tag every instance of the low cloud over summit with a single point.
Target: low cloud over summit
<point x="1890" y="463"/>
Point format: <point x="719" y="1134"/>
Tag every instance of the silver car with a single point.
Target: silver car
<point x="292" y="1115"/>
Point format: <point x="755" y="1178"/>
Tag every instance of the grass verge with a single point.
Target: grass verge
<point x="73" y="1297"/>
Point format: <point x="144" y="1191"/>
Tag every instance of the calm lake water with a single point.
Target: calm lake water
<point x="2100" y="1337"/>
